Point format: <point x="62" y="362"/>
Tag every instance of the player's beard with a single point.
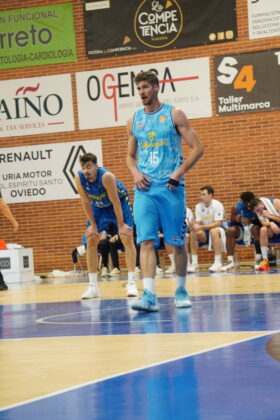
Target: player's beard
<point x="147" y="101"/>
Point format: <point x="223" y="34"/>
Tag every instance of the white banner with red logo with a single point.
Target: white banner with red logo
<point x="36" y="105"/>
<point x="45" y="172"/>
<point x="107" y="98"/>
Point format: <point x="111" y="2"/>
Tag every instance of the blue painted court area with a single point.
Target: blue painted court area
<point x="235" y="382"/>
<point x="255" y="312"/>
<point x="240" y="381"/>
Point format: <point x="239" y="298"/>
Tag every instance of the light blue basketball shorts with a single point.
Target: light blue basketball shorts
<point x="162" y="208"/>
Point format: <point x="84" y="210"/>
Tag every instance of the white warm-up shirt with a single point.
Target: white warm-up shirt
<point x="211" y="214"/>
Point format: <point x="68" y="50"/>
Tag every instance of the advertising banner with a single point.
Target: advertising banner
<point x="36" y="105"/>
<point x="107" y="98"/>
<point x="45" y="172"/>
<point x="264" y="18"/>
<point x="37" y="35"/>
<point x="131" y="27"/>
<point x="248" y="82"/>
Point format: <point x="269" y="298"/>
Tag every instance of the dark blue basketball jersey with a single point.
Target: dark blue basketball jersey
<point x="243" y="211"/>
<point x="96" y="191"/>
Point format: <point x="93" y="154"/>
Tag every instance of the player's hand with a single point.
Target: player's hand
<point x="190" y="224"/>
<point x="196" y="227"/>
<point x="125" y="230"/>
<point x="91" y="231"/>
<point x="114" y="239"/>
<point x="142" y="182"/>
<point x="173" y="182"/>
<point x="266" y="214"/>
<point x="275" y="228"/>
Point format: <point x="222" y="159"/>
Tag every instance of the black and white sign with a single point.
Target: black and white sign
<point x="26" y="261"/>
<point x="36" y="105"/>
<point x="248" y="82"/>
<point x="45" y="172"/>
<point x="134" y="26"/>
<point x="5" y="263"/>
<point x="264" y="18"/>
<point x="107" y="98"/>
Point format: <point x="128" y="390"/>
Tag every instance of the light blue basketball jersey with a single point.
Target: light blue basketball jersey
<point x="159" y="144"/>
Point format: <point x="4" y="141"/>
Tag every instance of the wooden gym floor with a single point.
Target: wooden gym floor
<point x="68" y="359"/>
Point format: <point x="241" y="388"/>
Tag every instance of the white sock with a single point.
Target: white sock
<point x="181" y="281"/>
<point x="230" y="259"/>
<point x="264" y="250"/>
<point x="172" y="260"/>
<point x="258" y="257"/>
<point x="218" y="259"/>
<point x="131" y="277"/>
<point x="194" y="259"/>
<point x="92" y="279"/>
<point x="149" y="284"/>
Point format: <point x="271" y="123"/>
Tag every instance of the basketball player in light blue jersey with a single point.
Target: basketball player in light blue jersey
<point x="157" y="164"/>
<point x="105" y="200"/>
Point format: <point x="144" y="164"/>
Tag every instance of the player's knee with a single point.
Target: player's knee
<point x="92" y="241"/>
<point x="193" y="234"/>
<point x="180" y="249"/>
<point x="127" y="241"/>
<point x="214" y="232"/>
<point x="147" y="244"/>
<point x="263" y="231"/>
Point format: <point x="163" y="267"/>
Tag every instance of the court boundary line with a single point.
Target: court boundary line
<point x="44" y="320"/>
<point x="73" y="388"/>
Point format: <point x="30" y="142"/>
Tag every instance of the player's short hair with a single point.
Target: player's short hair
<point x="88" y="157"/>
<point x="209" y="189"/>
<point x="254" y="203"/>
<point x="247" y="196"/>
<point x="147" y="76"/>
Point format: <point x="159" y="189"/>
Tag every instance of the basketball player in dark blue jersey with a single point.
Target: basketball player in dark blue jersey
<point x="105" y="200"/>
<point x="242" y="219"/>
<point x="157" y="164"/>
